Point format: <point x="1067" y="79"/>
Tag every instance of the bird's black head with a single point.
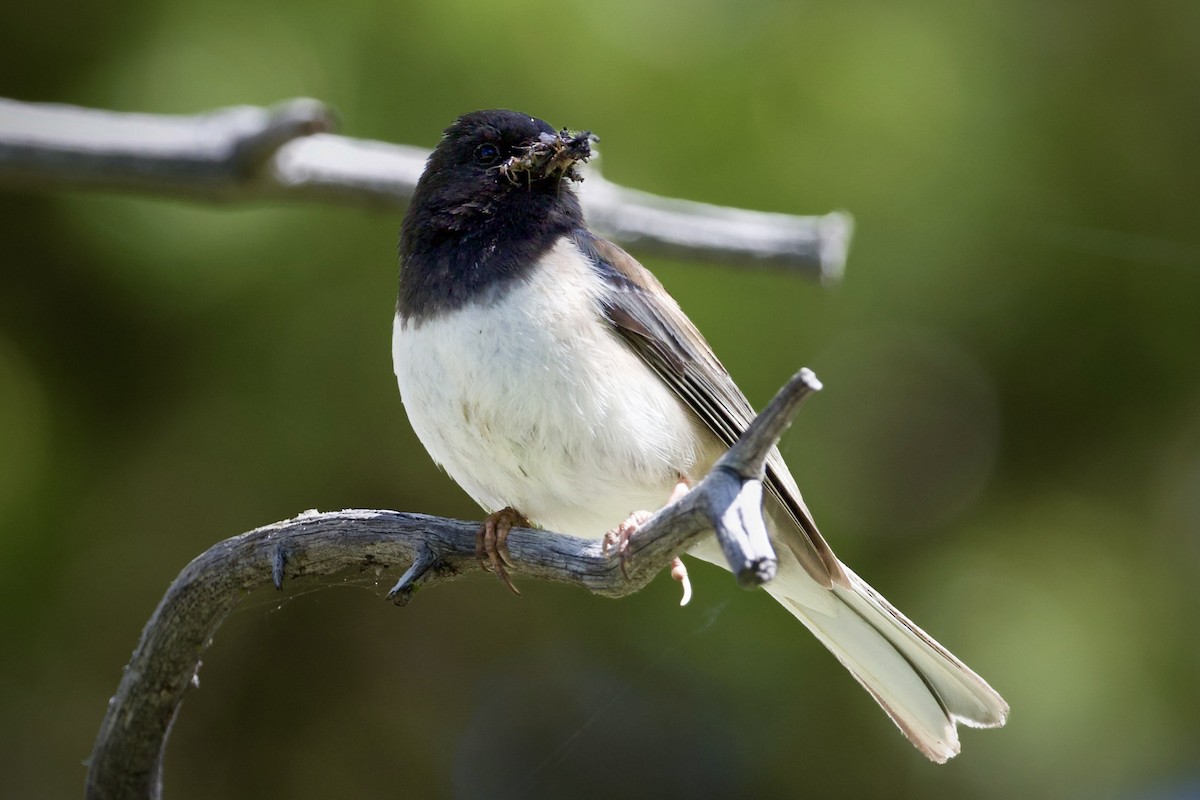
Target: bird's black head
<point x="497" y="163"/>
<point x="494" y="196"/>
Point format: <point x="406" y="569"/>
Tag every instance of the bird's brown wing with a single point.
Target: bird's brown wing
<point x="656" y="328"/>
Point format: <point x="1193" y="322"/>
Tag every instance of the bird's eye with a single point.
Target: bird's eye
<point x="487" y="154"/>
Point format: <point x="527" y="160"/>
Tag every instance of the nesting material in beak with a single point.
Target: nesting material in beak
<point x="552" y="156"/>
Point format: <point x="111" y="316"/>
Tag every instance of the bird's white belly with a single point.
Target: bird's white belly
<point x="533" y="402"/>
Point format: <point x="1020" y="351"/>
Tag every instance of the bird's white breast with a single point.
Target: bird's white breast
<point x="532" y="401"/>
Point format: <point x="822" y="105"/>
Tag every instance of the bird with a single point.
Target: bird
<point x="558" y="383"/>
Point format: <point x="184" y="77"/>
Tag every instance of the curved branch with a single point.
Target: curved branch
<point x="126" y="761"/>
<point x="286" y="152"/>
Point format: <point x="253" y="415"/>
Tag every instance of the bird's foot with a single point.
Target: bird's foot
<point x="491" y="542"/>
<point x="619" y="537"/>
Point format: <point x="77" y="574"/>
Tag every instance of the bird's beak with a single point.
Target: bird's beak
<point x="554" y="155"/>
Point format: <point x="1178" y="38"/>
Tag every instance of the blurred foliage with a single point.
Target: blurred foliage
<point x="1008" y="445"/>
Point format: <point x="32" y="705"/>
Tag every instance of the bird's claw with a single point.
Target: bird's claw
<point x="491" y="549"/>
<point x="618" y="537"/>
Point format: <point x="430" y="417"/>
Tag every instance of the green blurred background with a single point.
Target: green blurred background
<point x="1008" y="445"/>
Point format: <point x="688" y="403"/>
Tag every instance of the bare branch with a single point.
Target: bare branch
<point x="126" y="761"/>
<point x="284" y="153"/>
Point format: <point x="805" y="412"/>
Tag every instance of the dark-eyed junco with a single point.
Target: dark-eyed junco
<point x="557" y="382"/>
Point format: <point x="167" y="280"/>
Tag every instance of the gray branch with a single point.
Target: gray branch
<point x="126" y="761"/>
<point x="287" y="152"/>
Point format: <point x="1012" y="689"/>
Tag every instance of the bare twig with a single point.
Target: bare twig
<point x="126" y="761"/>
<point x="285" y="152"/>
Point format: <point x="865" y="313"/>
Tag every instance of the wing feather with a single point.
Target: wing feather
<point x="654" y="326"/>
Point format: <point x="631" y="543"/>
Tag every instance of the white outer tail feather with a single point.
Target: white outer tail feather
<point x="920" y="684"/>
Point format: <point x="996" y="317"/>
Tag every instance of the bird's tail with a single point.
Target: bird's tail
<point x="921" y="685"/>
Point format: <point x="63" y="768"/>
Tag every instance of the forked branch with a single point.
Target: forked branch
<point x="126" y="761"/>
